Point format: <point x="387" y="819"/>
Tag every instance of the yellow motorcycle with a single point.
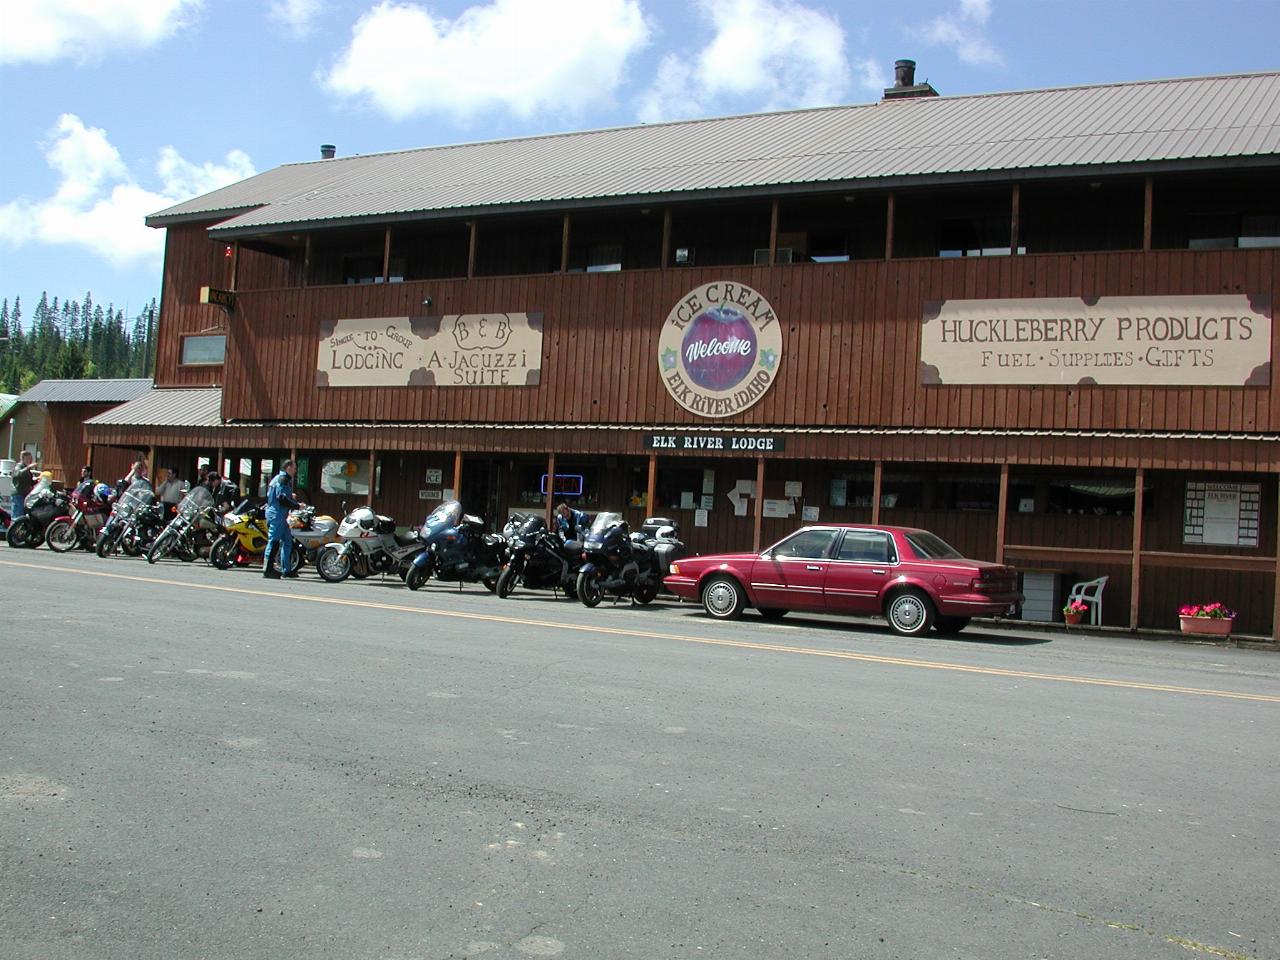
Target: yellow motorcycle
<point x="244" y="540"/>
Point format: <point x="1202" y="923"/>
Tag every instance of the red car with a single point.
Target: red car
<point x="909" y="576"/>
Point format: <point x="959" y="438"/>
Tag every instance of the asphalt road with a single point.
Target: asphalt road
<point x="199" y="764"/>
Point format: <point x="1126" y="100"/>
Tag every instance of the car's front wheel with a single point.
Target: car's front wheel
<point x="723" y="598"/>
<point x="910" y="613"/>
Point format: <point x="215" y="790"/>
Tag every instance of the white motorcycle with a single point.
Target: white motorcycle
<point x="367" y="543"/>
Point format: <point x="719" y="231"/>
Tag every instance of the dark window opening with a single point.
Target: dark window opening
<point x="523" y="245"/>
<point x="430" y="251"/>
<point x="1213" y="213"/>
<point x="719" y="235"/>
<point x="615" y="240"/>
<point x="973" y="222"/>
<point x="1081" y="215"/>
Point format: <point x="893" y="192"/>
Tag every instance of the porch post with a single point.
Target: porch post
<point x="386" y="257"/>
<point x="1002" y="512"/>
<point x="773" y="233"/>
<point x="151" y="465"/>
<point x="888" y="228"/>
<point x="373" y="472"/>
<point x="564" y="245"/>
<point x="1148" y="209"/>
<point x="1135" y="568"/>
<point x="472" y="229"/>
<point x="306" y="262"/>
<point x="1015" y="219"/>
<point x="549" y="507"/>
<point x="666" y="237"/>
<point x="876" y="482"/>
<point x="651" y="491"/>
<point x="759" y="519"/>
<point x="457" y="475"/>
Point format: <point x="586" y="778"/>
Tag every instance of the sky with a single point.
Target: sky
<point x="114" y="109"/>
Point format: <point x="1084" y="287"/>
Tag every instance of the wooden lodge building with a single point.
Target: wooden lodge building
<point x="1037" y="323"/>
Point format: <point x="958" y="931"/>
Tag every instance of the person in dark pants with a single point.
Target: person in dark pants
<point x="280" y="501"/>
<point x="24" y="479"/>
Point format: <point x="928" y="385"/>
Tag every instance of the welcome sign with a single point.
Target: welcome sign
<point x="719" y="349"/>
<point x="1219" y="340"/>
<point x="455" y="350"/>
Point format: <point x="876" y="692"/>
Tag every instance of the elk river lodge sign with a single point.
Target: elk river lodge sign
<point x="719" y="349"/>
<point x="1157" y="341"/>
<point x="456" y="350"/>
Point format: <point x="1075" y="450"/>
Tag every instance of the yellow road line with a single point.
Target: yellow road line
<point x="679" y="638"/>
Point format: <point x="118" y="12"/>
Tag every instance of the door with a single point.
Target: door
<point x="863" y="563"/>
<point x="791" y="577"/>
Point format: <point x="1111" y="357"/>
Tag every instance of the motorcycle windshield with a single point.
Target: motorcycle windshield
<point x="604" y="522"/>
<point x="195" y="502"/>
<point x="137" y="497"/>
<point x="442" y="517"/>
<point x="43" y="490"/>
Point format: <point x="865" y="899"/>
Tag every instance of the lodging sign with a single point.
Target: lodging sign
<point x="719" y="349"/>
<point x="456" y="350"/>
<point x="1162" y="341"/>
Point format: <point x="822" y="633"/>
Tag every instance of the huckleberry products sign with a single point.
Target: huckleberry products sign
<point x="455" y="350"/>
<point x="1219" y="340"/>
<point x="720" y="349"/>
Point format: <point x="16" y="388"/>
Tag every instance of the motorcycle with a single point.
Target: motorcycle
<point x="245" y="539"/>
<point x="626" y="564"/>
<point x="540" y="560"/>
<point x="311" y="532"/>
<point x="456" y="549"/>
<point x="89" y="513"/>
<point x="192" y="530"/>
<point x="44" y="505"/>
<point x="367" y="543"/>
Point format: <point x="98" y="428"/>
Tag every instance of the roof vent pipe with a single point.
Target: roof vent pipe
<point x="327" y="151"/>
<point x="904" y="73"/>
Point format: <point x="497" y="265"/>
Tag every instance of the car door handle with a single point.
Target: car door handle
<point x="874" y="570"/>
<point x="810" y="566"/>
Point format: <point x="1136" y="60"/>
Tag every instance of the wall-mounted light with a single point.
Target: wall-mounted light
<point x="426" y="301"/>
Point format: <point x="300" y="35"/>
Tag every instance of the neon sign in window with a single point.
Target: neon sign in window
<point x="567" y="485"/>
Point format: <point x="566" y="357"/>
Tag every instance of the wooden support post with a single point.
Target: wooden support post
<point x="550" y="505"/>
<point x="1015" y="218"/>
<point x="1148" y="206"/>
<point x="651" y="491"/>
<point x="759" y="518"/>
<point x="151" y="465"/>
<point x="221" y="468"/>
<point x="386" y="257"/>
<point x="564" y="245"/>
<point x="773" y="233"/>
<point x="473" y="228"/>
<point x="306" y="261"/>
<point x="1002" y="512"/>
<point x="235" y="264"/>
<point x="876" y="482"/>
<point x="373" y="473"/>
<point x="888" y="227"/>
<point x="457" y="476"/>
<point x="666" y="238"/>
<point x="1135" y="568"/>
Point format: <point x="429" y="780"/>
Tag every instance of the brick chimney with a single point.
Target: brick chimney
<point x="904" y="83"/>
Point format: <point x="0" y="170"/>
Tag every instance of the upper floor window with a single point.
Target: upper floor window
<point x="204" y="350"/>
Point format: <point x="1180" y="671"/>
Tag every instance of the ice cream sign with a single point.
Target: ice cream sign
<point x="719" y="349"/>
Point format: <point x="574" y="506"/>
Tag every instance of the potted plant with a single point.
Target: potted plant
<point x="1211" y="619"/>
<point x="1074" y="612"/>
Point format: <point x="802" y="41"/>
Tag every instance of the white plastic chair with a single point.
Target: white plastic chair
<point x="1090" y="594"/>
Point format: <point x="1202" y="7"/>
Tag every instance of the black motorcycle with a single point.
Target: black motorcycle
<point x="540" y="560"/>
<point x="457" y="550"/>
<point x="626" y="564"/>
<point x="136" y="520"/>
<point x="44" y="505"/>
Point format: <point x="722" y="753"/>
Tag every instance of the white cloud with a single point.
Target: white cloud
<point x="523" y="57"/>
<point x="99" y="206"/>
<point x="964" y="31"/>
<point x="872" y="75"/>
<point x="298" y="16"/>
<point x="763" y="55"/>
<point x="42" y="31"/>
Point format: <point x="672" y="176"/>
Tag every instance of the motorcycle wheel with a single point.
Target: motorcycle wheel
<point x="645" y="594"/>
<point x="223" y="552"/>
<point x="506" y="582"/>
<point x="103" y="545"/>
<point x="61" y="536"/>
<point x="334" y="567"/>
<point x="416" y="577"/>
<point x="131" y="546"/>
<point x="360" y="568"/>
<point x="490" y="584"/>
<point x="589" y="590"/>
<point x="19" y="533"/>
<point x="159" y="549"/>
<point x="186" y="552"/>
<point x="296" y="558"/>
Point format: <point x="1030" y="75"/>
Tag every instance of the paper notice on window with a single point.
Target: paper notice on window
<point x="810" y="514"/>
<point x="793" y="488"/>
<point x="778" y="508"/>
<point x="708" y="481"/>
<point x="699" y="518"/>
<point x="686" y="500"/>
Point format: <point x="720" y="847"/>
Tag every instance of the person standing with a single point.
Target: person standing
<point x="24" y="478"/>
<point x="280" y="501"/>
<point x="571" y="523"/>
<point x="170" y="492"/>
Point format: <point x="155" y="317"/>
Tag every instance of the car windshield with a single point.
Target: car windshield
<point x="604" y="521"/>
<point x="927" y="546"/>
<point x="446" y="515"/>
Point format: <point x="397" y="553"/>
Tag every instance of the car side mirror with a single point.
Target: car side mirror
<point x="767" y="555"/>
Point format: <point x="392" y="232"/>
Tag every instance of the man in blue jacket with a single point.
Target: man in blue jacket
<point x="280" y="501"/>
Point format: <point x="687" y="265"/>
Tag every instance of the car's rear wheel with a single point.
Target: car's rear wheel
<point x="950" y="625"/>
<point x="910" y="613"/>
<point x="723" y="598"/>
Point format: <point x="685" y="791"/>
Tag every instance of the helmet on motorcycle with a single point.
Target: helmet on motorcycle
<point x="102" y="492"/>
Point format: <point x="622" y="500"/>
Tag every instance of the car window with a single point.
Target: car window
<point x="807" y="545"/>
<point x="871" y="546"/>
<point x="930" y="547"/>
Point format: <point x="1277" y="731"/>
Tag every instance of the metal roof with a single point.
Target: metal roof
<point x="193" y="407"/>
<point x="85" y="391"/>
<point x="1150" y="122"/>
